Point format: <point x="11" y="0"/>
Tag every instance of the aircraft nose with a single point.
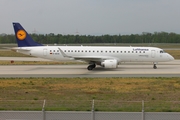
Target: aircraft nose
<point x="170" y="57"/>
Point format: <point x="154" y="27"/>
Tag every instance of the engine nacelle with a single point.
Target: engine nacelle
<point x="110" y="64"/>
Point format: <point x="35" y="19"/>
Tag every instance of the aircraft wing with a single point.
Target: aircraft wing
<point x="88" y="58"/>
<point x="91" y="58"/>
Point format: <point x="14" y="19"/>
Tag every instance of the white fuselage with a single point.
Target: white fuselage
<point x="121" y="54"/>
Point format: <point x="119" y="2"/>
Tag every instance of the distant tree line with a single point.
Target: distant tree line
<point x="156" y="37"/>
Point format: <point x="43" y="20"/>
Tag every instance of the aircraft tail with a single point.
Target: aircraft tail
<point x="23" y="38"/>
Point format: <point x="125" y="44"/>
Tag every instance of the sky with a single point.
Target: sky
<point x="91" y="17"/>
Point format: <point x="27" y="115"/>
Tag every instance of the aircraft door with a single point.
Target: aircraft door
<point x="153" y="53"/>
<point x="44" y="52"/>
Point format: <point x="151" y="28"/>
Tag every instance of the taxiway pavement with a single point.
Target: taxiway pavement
<point x="168" y="69"/>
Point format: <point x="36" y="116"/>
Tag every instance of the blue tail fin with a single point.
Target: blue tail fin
<point x="22" y="37"/>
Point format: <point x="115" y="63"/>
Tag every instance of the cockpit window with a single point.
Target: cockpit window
<point x="162" y="51"/>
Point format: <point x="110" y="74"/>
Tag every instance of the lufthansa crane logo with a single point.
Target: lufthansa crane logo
<point x="21" y="34"/>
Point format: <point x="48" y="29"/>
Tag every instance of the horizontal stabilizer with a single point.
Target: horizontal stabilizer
<point x="19" y="49"/>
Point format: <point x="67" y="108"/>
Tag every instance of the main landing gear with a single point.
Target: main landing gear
<point x="154" y="66"/>
<point x="92" y="66"/>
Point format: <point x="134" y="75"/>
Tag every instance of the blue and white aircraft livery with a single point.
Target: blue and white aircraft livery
<point x="105" y="56"/>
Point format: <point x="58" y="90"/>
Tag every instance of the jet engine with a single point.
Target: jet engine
<point x="109" y="64"/>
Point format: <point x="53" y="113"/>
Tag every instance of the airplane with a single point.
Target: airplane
<point x="105" y="56"/>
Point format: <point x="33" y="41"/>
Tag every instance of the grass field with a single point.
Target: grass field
<point x="110" y="94"/>
<point x="174" y="53"/>
<point x="6" y="62"/>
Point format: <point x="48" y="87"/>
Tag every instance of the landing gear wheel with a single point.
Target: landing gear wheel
<point x="155" y="67"/>
<point x="94" y="65"/>
<point x="90" y="67"/>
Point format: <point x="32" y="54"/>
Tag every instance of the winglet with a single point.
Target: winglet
<point x="22" y="37"/>
<point x="63" y="54"/>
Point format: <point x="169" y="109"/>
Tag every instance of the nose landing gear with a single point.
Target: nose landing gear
<point x="154" y="66"/>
